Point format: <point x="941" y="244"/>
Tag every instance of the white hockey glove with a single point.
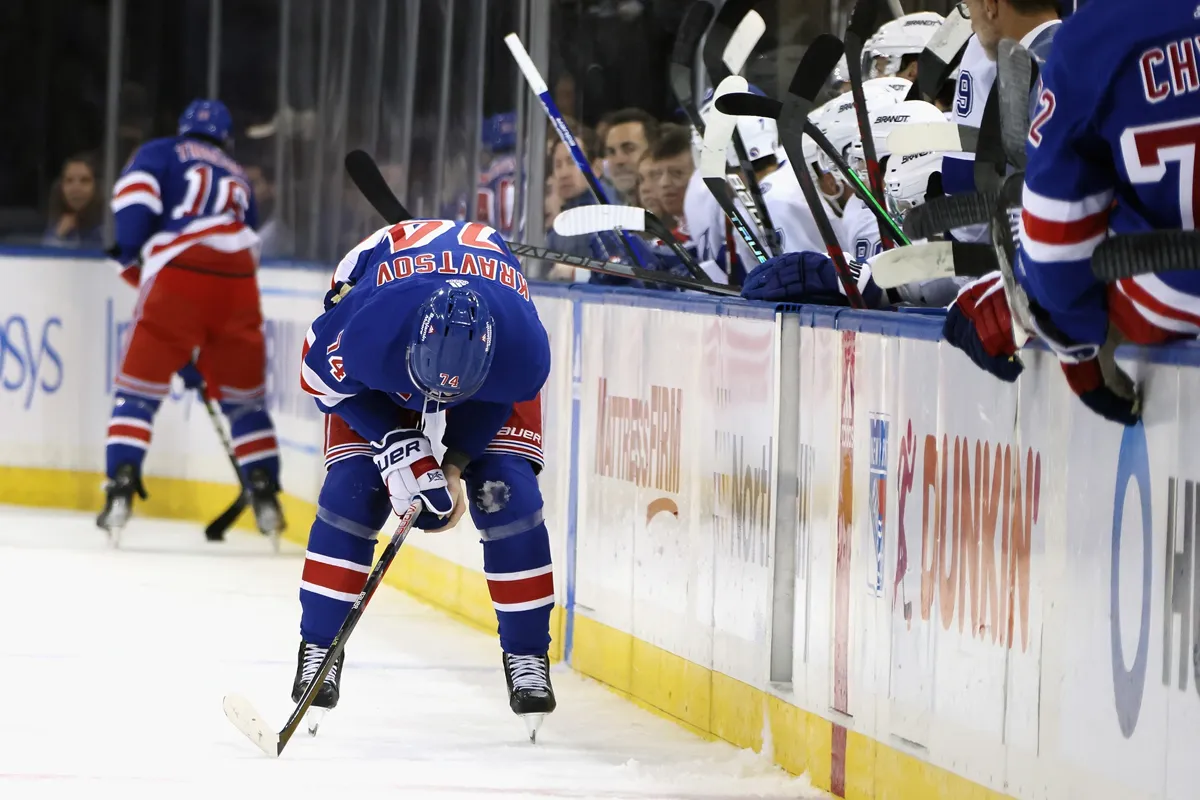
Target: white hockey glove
<point x="408" y="468"/>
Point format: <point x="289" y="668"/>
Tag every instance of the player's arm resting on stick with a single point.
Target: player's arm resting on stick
<point x="1070" y="182"/>
<point x="403" y="456"/>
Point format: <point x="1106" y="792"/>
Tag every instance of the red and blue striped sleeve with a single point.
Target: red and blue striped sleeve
<point x="1070" y="179"/>
<point x="137" y="201"/>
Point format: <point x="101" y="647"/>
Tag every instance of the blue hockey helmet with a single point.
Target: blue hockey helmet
<point x="500" y="132"/>
<point x="453" y="345"/>
<point x="208" y="118"/>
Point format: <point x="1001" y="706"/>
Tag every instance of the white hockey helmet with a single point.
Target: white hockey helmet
<point x="903" y="36"/>
<point x="883" y="122"/>
<point x="907" y="180"/>
<point x="841" y="123"/>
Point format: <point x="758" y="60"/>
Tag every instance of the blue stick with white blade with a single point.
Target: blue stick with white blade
<point x="242" y="713"/>
<point x="538" y="84"/>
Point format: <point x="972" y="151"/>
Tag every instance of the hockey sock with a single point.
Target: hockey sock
<point x="253" y="434"/>
<point x="506" y="506"/>
<point x="351" y="509"/>
<point x="129" y="431"/>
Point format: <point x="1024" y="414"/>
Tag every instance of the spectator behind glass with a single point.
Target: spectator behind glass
<point x="672" y="166"/>
<point x="571" y="190"/>
<point x="647" y="188"/>
<point x="76" y="210"/>
<point x="630" y="133"/>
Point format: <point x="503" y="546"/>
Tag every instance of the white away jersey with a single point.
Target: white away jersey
<point x="860" y="239"/>
<point x="976" y="75"/>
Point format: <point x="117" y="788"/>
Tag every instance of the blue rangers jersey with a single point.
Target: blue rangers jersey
<point x="183" y="199"/>
<point x="1113" y="152"/>
<point x="496" y="195"/>
<point x="354" y="354"/>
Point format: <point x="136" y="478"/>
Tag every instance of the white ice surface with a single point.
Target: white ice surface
<point x="114" y="664"/>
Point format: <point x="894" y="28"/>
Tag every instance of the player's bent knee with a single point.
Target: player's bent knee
<point x="353" y="499"/>
<point x="504" y="496"/>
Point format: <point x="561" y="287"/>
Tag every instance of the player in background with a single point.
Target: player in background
<point x="496" y="194"/>
<point x="185" y="238"/>
<point x="423" y="316"/>
<point x="860" y="237"/>
<point x="1112" y="153"/>
<point x="895" y="47"/>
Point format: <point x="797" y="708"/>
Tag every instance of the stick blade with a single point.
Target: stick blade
<point x="745" y="104"/>
<point x="818" y="62"/>
<point x="595" y="218"/>
<point x="694" y="23"/>
<point x="924" y="137"/>
<point x="918" y="262"/>
<point x="365" y="174"/>
<point x="744" y="40"/>
<point x="719" y="131"/>
<point x="215" y="532"/>
<point x="863" y="20"/>
<point x="243" y="716"/>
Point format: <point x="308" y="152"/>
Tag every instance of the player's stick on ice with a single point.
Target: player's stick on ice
<point x="924" y="261"/>
<point x="721" y="129"/>
<point x="726" y="49"/>
<point x="1014" y="79"/>
<point x="941" y="55"/>
<point x="683" y="55"/>
<point x="365" y="175"/>
<point x="863" y="22"/>
<point x="216" y="529"/>
<point x="753" y="105"/>
<point x="924" y="137"/>
<point x="1133" y="254"/>
<point x="940" y="214"/>
<point x="243" y="715"/>
<point x="818" y="62"/>
<point x="538" y="84"/>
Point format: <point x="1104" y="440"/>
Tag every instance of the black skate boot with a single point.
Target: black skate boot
<point x="264" y="499"/>
<point x="308" y="662"/>
<point x="118" y="503"/>
<point x="530" y="695"/>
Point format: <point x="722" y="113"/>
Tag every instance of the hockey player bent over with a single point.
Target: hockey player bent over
<point x="185" y="220"/>
<point x="427" y="315"/>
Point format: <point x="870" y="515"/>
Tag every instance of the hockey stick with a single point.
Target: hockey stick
<point x="721" y="128"/>
<point x="818" y="62"/>
<point x="862" y="24"/>
<point x="941" y="55"/>
<point x="585" y="220"/>
<point x="242" y="714"/>
<point x="948" y="212"/>
<point x="927" y="260"/>
<point x="1133" y="254"/>
<point x="365" y="175"/>
<point x="924" y="137"/>
<point x="753" y="105"/>
<point x="1006" y="256"/>
<point x="725" y="52"/>
<point x="691" y="30"/>
<point x="215" y="532"/>
<point x="1014" y="79"/>
<point x="538" y="84"/>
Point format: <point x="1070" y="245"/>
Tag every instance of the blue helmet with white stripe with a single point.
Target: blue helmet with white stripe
<point x="453" y="344"/>
<point x="207" y="118"/>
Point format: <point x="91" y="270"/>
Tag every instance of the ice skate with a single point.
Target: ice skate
<point x="264" y="499"/>
<point x="530" y="695"/>
<point x="118" y="502"/>
<point x="308" y="663"/>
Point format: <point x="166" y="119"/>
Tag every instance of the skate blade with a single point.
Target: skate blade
<point x="251" y="724"/>
<point x="532" y="723"/>
<point x="314" y="718"/>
